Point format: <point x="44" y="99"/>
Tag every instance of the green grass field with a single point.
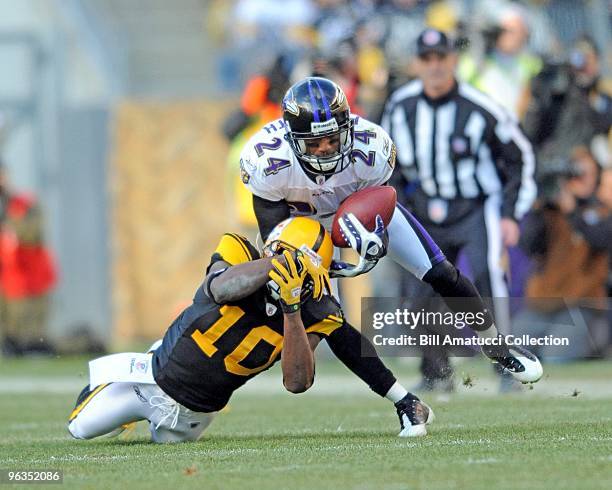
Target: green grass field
<point x="339" y="435"/>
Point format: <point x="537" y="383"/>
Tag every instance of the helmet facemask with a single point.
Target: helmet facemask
<point x="328" y="164"/>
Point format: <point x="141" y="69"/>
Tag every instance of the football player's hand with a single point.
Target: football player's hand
<point x="289" y="281"/>
<point x="370" y="245"/>
<point x="344" y="269"/>
<point x="320" y="276"/>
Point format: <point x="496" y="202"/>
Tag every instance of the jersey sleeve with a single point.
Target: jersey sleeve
<point x="261" y="172"/>
<point x="374" y="154"/>
<point x="234" y="249"/>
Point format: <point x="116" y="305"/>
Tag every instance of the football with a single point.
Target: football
<point x="365" y="205"/>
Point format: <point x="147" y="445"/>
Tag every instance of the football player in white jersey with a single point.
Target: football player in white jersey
<point x="272" y="171"/>
<point x="306" y="164"/>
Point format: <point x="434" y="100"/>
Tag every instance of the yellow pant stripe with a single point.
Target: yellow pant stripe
<point x="81" y="405"/>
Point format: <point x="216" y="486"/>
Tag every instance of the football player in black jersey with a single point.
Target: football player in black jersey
<point x="247" y="310"/>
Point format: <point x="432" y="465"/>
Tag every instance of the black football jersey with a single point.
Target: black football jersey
<point x="210" y="350"/>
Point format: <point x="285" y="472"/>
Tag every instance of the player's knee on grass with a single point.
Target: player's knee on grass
<point x="104" y="410"/>
<point x="82" y="423"/>
<point x="77" y="430"/>
<point x="84" y="427"/>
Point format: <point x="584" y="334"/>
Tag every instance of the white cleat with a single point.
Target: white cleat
<point x="523" y="365"/>
<point x="414" y="415"/>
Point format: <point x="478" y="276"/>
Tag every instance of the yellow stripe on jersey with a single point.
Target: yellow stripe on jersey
<point x="327" y="326"/>
<point x="81" y="406"/>
<point x="233" y="249"/>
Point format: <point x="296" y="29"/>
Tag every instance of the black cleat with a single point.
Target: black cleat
<point x="85" y="392"/>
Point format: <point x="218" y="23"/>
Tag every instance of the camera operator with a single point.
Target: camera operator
<point x="568" y="237"/>
<point x="569" y="105"/>
<point x="604" y="194"/>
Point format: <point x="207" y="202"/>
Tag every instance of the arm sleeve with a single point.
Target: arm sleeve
<point x="516" y="161"/>
<point x="269" y="214"/>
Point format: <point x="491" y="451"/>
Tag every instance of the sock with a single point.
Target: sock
<point x="396" y="392"/>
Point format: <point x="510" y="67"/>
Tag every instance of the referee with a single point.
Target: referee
<point x="465" y="169"/>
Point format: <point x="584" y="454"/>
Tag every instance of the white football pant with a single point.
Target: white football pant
<point x="113" y="405"/>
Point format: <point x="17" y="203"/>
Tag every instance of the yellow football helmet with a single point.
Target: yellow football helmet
<point x="300" y="233"/>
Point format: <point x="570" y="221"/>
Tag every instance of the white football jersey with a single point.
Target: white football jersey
<point x="270" y="170"/>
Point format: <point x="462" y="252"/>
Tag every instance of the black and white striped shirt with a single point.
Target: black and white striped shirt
<point x="461" y="148"/>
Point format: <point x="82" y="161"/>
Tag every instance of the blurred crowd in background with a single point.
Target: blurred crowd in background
<point x="546" y="61"/>
<point x="27" y="273"/>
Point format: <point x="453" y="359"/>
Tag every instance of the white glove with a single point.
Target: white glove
<point x="370" y="245"/>
<point x="344" y="269"/>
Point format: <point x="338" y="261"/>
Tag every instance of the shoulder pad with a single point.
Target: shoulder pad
<point x="235" y="249"/>
<point x="265" y="162"/>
